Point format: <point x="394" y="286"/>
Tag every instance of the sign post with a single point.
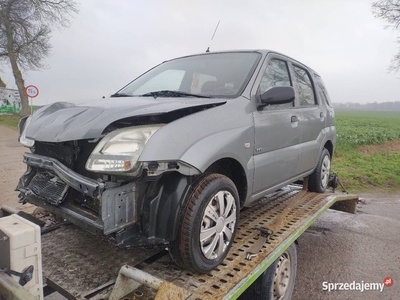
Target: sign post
<point x="32" y="92"/>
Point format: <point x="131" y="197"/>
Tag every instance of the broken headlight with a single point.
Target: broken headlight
<point x="23" y="139"/>
<point x="119" y="150"/>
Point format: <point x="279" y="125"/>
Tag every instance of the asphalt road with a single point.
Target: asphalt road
<point x="338" y="248"/>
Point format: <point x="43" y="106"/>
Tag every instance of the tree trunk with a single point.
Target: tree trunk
<point x="19" y="80"/>
<point x="2" y="84"/>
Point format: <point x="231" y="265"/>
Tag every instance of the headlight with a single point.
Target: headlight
<point x="23" y="139"/>
<point x="119" y="150"/>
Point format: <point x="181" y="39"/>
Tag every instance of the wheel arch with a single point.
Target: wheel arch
<point x="329" y="146"/>
<point x="232" y="169"/>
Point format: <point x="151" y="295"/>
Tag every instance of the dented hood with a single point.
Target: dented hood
<point x="64" y="121"/>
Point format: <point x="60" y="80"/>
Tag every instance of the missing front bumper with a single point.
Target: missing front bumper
<point x="87" y="186"/>
<point x="47" y="181"/>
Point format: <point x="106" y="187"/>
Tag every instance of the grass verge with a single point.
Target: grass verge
<point x="10" y="120"/>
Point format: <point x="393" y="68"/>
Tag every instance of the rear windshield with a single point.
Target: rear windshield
<point x="219" y="75"/>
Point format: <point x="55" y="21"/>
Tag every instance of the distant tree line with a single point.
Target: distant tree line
<point x="383" y="106"/>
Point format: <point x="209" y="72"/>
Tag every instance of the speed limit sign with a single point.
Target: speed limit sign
<point x="31" y="91"/>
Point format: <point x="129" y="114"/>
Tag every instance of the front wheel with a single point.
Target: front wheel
<point x="209" y="221"/>
<point x="318" y="180"/>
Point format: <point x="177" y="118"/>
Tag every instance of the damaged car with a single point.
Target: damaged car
<point x="173" y="157"/>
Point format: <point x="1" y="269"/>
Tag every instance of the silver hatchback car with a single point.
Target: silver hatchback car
<point x="173" y="156"/>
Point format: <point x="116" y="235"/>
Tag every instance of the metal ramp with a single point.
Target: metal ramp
<point x="80" y="265"/>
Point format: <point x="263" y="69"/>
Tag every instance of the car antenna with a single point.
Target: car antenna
<point x="208" y="49"/>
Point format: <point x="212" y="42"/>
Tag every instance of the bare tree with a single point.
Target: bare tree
<point x="25" y="28"/>
<point x="389" y="10"/>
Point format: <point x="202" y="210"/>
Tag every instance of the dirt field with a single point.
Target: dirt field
<point x="11" y="166"/>
<point x="338" y="248"/>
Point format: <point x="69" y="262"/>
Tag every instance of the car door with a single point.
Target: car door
<point x="311" y="118"/>
<point x="276" y="131"/>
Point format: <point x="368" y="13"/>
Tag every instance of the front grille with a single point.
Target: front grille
<point x="73" y="156"/>
<point x="63" y="153"/>
<point x="49" y="187"/>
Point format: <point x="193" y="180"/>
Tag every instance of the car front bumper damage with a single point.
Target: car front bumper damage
<point x="47" y="182"/>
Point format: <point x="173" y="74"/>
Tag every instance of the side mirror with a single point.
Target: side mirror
<point x="278" y="95"/>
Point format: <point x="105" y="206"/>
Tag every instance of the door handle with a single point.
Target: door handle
<point x="321" y="114"/>
<point x="294" y="119"/>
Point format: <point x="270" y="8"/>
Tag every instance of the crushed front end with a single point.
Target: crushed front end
<point x="57" y="180"/>
<point x="134" y="211"/>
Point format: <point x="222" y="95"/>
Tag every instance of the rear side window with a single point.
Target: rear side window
<point x="276" y="74"/>
<point x="304" y="86"/>
<point x="323" y="93"/>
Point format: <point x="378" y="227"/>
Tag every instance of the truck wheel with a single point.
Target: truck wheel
<point x="208" y="226"/>
<point x="318" y="180"/>
<point x="277" y="282"/>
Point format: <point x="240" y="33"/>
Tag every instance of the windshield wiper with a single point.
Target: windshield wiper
<point x="121" y="95"/>
<point x="168" y="93"/>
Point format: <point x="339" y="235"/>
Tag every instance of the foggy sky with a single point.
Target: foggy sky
<point x="111" y="42"/>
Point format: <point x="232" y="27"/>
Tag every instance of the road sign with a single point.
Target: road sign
<point x="31" y="91"/>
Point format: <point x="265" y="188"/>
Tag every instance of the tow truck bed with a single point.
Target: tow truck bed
<point x="82" y="266"/>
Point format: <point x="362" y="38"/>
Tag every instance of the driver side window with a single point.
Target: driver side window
<point x="276" y="74"/>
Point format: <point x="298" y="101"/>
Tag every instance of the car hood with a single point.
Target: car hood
<point x="64" y="121"/>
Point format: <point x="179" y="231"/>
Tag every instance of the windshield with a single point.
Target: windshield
<point x="222" y="75"/>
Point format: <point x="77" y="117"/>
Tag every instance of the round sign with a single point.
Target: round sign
<point x="31" y="91"/>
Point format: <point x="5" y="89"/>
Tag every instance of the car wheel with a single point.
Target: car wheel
<point x="209" y="221"/>
<point x="318" y="181"/>
<point x="277" y="282"/>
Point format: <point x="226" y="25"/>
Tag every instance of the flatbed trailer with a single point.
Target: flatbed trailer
<point x="80" y="265"/>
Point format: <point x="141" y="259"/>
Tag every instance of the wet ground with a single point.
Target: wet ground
<point x="345" y="248"/>
<point x="338" y="248"/>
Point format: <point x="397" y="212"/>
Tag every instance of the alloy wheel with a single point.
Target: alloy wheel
<point x="325" y="170"/>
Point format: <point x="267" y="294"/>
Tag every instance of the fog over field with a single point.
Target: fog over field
<point x="380" y="106"/>
<point x="110" y="43"/>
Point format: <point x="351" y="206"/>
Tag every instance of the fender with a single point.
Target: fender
<point x="161" y="208"/>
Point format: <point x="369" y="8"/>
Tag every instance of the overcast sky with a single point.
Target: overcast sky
<point x="111" y="42"/>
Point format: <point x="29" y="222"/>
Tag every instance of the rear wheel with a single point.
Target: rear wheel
<point x="208" y="224"/>
<point x="318" y="181"/>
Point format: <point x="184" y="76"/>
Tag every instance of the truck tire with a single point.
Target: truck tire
<point x="209" y="221"/>
<point x="318" y="180"/>
<point x="277" y="282"/>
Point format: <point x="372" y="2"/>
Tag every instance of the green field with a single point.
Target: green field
<point x="360" y="166"/>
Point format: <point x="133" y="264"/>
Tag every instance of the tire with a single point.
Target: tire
<point x="319" y="179"/>
<point x="205" y="237"/>
<point x="272" y="284"/>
